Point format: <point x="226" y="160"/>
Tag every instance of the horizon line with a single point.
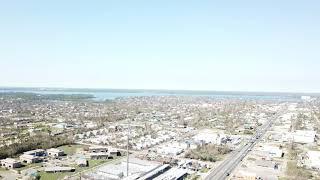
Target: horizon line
<point x="151" y="89"/>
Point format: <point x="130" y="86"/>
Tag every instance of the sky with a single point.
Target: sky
<point x="230" y="45"/>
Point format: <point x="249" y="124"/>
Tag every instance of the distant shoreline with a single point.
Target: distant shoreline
<point x="173" y="92"/>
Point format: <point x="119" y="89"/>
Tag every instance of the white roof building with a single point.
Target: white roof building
<point x="55" y="152"/>
<point x="209" y="137"/>
<point x="10" y="163"/>
<point x="312" y="160"/>
<point x="170" y="150"/>
<point x="173" y="173"/>
<point x="273" y="151"/>
<point x="304" y="137"/>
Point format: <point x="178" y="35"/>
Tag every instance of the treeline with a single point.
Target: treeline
<point x="34" y="96"/>
<point x="40" y="141"/>
<point x="209" y="152"/>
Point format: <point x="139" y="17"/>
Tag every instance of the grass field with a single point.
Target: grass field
<point x="71" y="149"/>
<point x="53" y="176"/>
<point x="2" y="169"/>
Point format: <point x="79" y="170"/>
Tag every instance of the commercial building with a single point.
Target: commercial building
<point x="10" y="163"/>
<point x="99" y="155"/>
<point x="114" y="152"/>
<point x="98" y="152"/>
<point x="58" y="169"/>
<point x="37" y="152"/>
<point x="53" y="152"/>
<point x="304" y="137"/>
<point x="209" y="137"/>
<point x="170" y="150"/>
<point x="173" y="173"/>
<point x="155" y="172"/>
<point x="311" y="160"/>
<point x="27" y="158"/>
<point x="98" y="149"/>
<point x="272" y="151"/>
<point x="82" y="162"/>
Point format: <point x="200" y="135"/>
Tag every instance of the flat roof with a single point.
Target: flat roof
<point x="154" y="171"/>
<point x="58" y="168"/>
<point x="34" y="151"/>
<point x="98" y="147"/>
<point x="10" y="160"/>
<point x="173" y="173"/>
<point x="28" y="156"/>
<point x="55" y="150"/>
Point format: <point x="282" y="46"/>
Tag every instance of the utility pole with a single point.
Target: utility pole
<point x="128" y="134"/>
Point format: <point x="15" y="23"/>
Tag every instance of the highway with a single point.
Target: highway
<point x="226" y="167"/>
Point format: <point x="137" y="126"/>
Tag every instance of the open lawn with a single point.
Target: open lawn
<point x="2" y="169"/>
<point x="53" y="176"/>
<point x="71" y="149"/>
<point x="204" y="170"/>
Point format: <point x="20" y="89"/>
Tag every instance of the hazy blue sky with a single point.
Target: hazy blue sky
<point x="234" y="45"/>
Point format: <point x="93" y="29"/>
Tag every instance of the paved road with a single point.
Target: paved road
<point x="226" y="167"/>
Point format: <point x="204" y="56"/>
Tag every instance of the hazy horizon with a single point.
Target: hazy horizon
<point x="246" y="46"/>
<point x="84" y="89"/>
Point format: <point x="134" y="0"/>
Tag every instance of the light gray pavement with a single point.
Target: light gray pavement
<point x="225" y="168"/>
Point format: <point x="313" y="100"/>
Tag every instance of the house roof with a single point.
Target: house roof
<point x="97" y="147"/>
<point x="10" y="160"/>
<point x="54" y="150"/>
<point x="34" y="151"/>
<point x="27" y="156"/>
<point x="57" y="168"/>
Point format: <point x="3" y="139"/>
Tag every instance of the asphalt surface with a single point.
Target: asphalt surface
<point x="226" y="167"/>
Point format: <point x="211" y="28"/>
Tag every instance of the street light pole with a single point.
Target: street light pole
<point x="128" y="147"/>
